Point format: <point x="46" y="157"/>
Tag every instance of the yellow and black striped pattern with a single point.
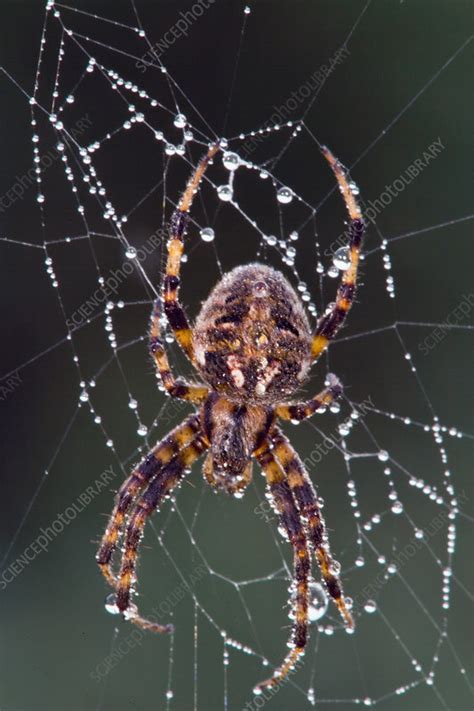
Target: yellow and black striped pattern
<point x="330" y="324"/>
<point x="306" y="499"/>
<point x="160" y="487"/>
<point x="176" y="388"/>
<point x="290" y="519"/>
<point x="158" y="458"/>
<point x="300" y="411"/>
<point x="173" y="309"/>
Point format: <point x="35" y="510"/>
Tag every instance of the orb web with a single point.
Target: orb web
<point x="115" y="134"/>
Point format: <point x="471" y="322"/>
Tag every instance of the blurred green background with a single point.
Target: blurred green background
<point x="55" y="631"/>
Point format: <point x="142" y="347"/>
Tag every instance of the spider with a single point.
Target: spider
<point x="252" y="346"/>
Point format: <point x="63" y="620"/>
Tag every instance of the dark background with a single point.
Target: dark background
<point x="55" y="629"/>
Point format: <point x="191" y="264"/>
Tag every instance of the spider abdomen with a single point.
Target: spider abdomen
<point x="252" y="338"/>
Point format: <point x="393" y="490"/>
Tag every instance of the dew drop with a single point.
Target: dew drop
<point x="342" y="258"/>
<point x="207" y="234"/>
<point x="180" y="121"/>
<point x="333" y="272"/>
<point x="131" y="253"/>
<point x="225" y="193"/>
<point x="370" y="606"/>
<point x="397" y="507"/>
<point x="231" y="161"/>
<point x="284" y="195"/>
<point x="382" y="456"/>
<point x="318" y="602"/>
<point x="142" y="430"/>
<point x="111" y="604"/>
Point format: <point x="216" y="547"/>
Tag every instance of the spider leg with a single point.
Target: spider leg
<point x="164" y="452"/>
<point x="306" y="499"/>
<point x="290" y="519"/>
<point x="173" y="309"/>
<point x="329" y="324"/>
<point x="161" y="486"/>
<point x="175" y="387"/>
<point x="301" y="410"/>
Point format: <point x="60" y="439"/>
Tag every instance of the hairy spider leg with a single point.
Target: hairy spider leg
<point x="306" y="499"/>
<point x="161" y="486"/>
<point x="164" y="452"/>
<point x="329" y="324"/>
<point x="301" y="410"/>
<point x="174" y="311"/>
<point x="290" y="519"/>
<point x="176" y="387"/>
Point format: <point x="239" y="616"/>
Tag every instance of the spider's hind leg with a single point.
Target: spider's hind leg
<point x="159" y="488"/>
<point x="159" y="457"/>
<point x="307" y="502"/>
<point x="290" y="519"/>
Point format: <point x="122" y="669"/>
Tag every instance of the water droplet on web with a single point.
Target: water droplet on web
<point x="170" y="150"/>
<point x="130" y="252"/>
<point x="180" y="121"/>
<point x="247" y="10"/>
<point x="333" y="272"/>
<point x="207" y="234"/>
<point x="225" y="193"/>
<point x="40" y="198"/>
<point x="382" y="456"/>
<point x="370" y="606"/>
<point x="318" y="602"/>
<point x="342" y="258"/>
<point x="142" y="430"/>
<point x="70" y="99"/>
<point x="132" y="404"/>
<point x="271" y="240"/>
<point x="397" y="507"/>
<point x="111" y="604"/>
<point x="231" y="161"/>
<point x="284" y="195"/>
<point x="84" y="396"/>
<point x="169" y="694"/>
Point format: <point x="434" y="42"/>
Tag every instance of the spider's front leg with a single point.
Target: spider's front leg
<point x="290" y="519"/>
<point x="175" y="387"/>
<point x="329" y="324"/>
<point x="173" y="309"/>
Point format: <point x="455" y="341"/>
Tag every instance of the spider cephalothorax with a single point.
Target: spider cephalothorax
<point x="253" y="347"/>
